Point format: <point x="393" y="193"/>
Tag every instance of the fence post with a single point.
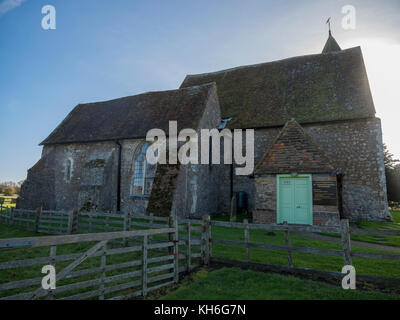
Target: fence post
<point x="61" y="225"/>
<point x="107" y="223"/>
<point x="144" y="267"/>
<point x="127" y="221"/>
<point x="288" y="244"/>
<point x="233" y="209"/>
<point x="151" y="225"/>
<point x="247" y="238"/>
<point x="127" y="225"/>
<point x="70" y="221"/>
<point x="103" y="270"/>
<point x="53" y="252"/>
<point x="188" y="247"/>
<point x="173" y="237"/>
<point x="209" y="238"/>
<point x="37" y="218"/>
<point x="170" y="235"/>
<point x="90" y="221"/>
<point x="345" y="233"/>
<point x="206" y="235"/>
<point x="176" y="250"/>
<point x="11" y="220"/>
<point x="75" y="221"/>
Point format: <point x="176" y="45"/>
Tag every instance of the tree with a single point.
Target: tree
<point x="10" y="188"/>
<point x="390" y="162"/>
<point x="392" y="171"/>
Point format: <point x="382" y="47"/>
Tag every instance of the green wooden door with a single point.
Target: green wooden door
<point x="294" y="199"/>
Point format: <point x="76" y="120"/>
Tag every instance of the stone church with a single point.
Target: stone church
<point x="318" y="146"/>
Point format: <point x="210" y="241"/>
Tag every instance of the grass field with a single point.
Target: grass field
<point x="8" y="205"/>
<point x="237" y="284"/>
<point x="386" y="240"/>
<point x="249" y="284"/>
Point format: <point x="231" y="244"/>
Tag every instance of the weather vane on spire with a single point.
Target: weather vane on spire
<point x="328" y="22"/>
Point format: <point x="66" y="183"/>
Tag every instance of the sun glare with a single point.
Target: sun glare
<point x="382" y="61"/>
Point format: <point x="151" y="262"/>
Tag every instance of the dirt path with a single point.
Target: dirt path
<point x="355" y="243"/>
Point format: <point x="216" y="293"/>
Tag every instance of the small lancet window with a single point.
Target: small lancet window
<point x="68" y="170"/>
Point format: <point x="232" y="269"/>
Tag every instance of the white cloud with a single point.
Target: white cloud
<point x="7" y="5"/>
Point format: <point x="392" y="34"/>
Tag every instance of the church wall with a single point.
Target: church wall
<point x="92" y="181"/>
<point x="356" y="149"/>
<point x="69" y="176"/>
<point x="39" y="187"/>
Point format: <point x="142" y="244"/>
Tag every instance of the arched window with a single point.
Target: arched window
<point x="143" y="174"/>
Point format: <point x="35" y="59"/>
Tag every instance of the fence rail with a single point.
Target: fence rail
<point x="71" y="222"/>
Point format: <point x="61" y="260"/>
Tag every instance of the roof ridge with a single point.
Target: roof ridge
<point x="131" y="117"/>
<point x="209" y="84"/>
<point x="265" y="63"/>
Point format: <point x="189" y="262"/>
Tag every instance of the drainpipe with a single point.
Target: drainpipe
<point x="119" y="176"/>
<point x="231" y="178"/>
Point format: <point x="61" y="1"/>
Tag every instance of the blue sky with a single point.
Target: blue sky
<point x="103" y="49"/>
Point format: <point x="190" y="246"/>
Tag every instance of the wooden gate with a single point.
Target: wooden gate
<point x="112" y="265"/>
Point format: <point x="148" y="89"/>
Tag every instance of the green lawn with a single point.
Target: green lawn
<point x="236" y="284"/>
<point x="8" y="205"/>
<point x="393" y="241"/>
<point x="8" y="232"/>
<point x="385" y="240"/>
<point x="8" y="200"/>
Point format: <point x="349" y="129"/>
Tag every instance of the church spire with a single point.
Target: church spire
<point x="331" y="45"/>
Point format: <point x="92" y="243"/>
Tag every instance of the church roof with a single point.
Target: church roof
<point x="133" y="116"/>
<point x="293" y="151"/>
<point x="331" y="45"/>
<point x="312" y="88"/>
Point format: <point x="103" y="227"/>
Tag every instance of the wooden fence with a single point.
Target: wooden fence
<point x="56" y="222"/>
<point x="333" y="277"/>
<point x="129" y="263"/>
<point x="63" y="222"/>
<point x="344" y="231"/>
<point x="195" y="245"/>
